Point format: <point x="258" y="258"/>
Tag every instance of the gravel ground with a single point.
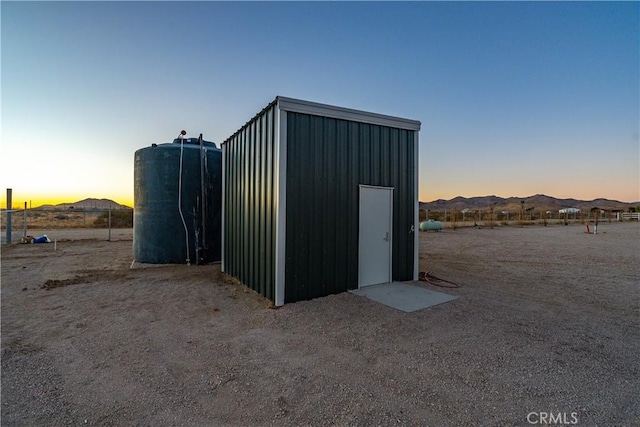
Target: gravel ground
<point x="546" y="321"/>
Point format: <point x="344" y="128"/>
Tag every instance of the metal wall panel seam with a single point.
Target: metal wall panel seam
<point x="235" y="206"/>
<point x="390" y="149"/>
<point x="227" y="205"/>
<point x="228" y="201"/>
<point x="260" y="215"/>
<point x="270" y="234"/>
<point x="245" y="209"/>
<point x="239" y="204"/>
<point x="269" y="198"/>
<point x="244" y="194"/>
<point x="354" y="202"/>
<point x="341" y="157"/>
<point x="251" y="232"/>
<point x="258" y="210"/>
<point x="281" y="220"/>
<point x="334" y="193"/>
<point x="237" y="242"/>
<point x="248" y="269"/>
<point x="240" y="185"/>
<point x="264" y="206"/>
<point x="295" y="247"/>
<point x="326" y="202"/>
<point x="256" y="213"/>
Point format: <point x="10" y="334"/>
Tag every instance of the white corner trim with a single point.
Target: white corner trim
<point x="313" y="108"/>
<point x="281" y="203"/>
<point x="223" y="205"/>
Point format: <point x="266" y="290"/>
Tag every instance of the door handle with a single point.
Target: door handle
<point x="387" y="237"/>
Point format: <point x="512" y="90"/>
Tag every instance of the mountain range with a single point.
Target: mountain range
<point x="514" y="204"/>
<point x="87" y="204"/>
<point x="537" y="202"/>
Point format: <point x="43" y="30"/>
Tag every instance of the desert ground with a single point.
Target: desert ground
<point x="546" y="321"/>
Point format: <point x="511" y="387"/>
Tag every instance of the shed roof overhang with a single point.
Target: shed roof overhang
<point x="314" y="108"/>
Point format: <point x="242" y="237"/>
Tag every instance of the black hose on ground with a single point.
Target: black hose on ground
<point x="426" y="276"/>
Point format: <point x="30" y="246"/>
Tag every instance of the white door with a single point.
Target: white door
<point x="376" y="219"/>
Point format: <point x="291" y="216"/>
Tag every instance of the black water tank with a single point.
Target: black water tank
<point x="168" y="199"/>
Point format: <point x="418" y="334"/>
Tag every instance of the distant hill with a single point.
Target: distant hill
<point x="87" y="204"/>
<point x="513" y="204"/>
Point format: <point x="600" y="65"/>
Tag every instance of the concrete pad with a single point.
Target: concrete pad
<point x="403" y="296"/>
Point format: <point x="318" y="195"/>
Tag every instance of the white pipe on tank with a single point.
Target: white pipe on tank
<point x="184" y="223"/>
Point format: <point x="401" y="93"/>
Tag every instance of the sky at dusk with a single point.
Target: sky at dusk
<point x="515" y="99"/>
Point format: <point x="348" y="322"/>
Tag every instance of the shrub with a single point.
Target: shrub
<point x="119" y="219"/>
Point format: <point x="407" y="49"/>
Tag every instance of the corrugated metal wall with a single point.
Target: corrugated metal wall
<point x="327" y="159"/>
<point x="249" y="209"/>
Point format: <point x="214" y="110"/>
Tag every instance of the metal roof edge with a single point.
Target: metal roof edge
<point x="314" y="108"/>
<point x="317" y="109"/>
<point x="271" y="104"/>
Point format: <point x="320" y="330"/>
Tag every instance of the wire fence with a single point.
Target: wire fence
<point x="23" y="224"/>
<point x="453" y="218"/>
<point x="32" y="223"/>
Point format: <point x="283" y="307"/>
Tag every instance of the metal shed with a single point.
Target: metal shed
<point x="319" y="199"/>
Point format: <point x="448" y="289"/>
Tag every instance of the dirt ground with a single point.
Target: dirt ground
<point x="547" y="321"/>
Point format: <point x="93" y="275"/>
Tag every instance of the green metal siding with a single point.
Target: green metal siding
<point x="327" y="160"/>
<point x="249" y="208"/>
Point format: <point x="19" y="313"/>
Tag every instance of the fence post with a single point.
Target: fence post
<point x="9" y="204"/>
<point x="24" y="221"/>
<point x="491" y="217"/>
<point x="109" y="223"/>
